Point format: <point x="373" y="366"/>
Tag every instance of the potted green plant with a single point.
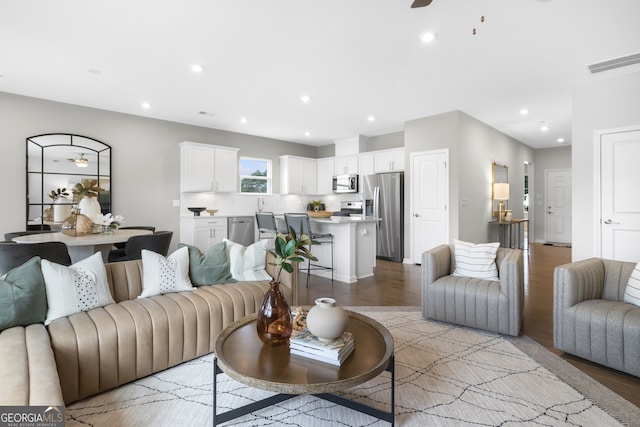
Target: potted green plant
<point x="274" y="323"/>
<point x="317" y="205"/>
<point x="60" y="210"/>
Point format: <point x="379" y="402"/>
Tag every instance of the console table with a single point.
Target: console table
<point x="510" y="234"/>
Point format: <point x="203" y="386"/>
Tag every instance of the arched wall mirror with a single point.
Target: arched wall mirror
<point x="56" y="161"/>
<point x="499" y="175"/>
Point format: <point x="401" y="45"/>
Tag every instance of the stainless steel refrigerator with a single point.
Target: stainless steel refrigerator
<point x="383" y="196"/>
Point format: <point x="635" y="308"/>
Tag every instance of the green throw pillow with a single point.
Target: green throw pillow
<point x="209" y="268"/>
<point x="23" y="298"/>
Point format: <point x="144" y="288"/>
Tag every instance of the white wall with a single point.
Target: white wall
<point x="145" y="157"/>
<point x="603" y="104"/>
<point x="473" y="147"/>
<point x="545" y="159"/>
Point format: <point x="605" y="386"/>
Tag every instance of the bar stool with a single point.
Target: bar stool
<point x="267" y="226"/>
<point x="298" y="220"/>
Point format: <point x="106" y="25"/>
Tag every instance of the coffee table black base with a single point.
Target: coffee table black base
<point x="269" y="401"/>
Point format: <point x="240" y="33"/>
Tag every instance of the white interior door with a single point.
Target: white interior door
<point x="558" y="206"/>
<point x="619" y="196"/>
<point x="429" y="199"/>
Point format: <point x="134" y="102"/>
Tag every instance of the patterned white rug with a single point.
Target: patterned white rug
<point x="445" y="375"/>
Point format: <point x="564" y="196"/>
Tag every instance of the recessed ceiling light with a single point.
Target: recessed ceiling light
<point x="243" y="120"/>
<point x="524" y="111"/>
<point x="146" y="105"/>
<point x="560" y="140"/>
<point x="428" y="37"/>
<point x="197" y="68"/>
<point x="305" y="98"/>
<point x="544" y="128"/>
<point x="371" y="118"/>
<point x="307" y="133"/>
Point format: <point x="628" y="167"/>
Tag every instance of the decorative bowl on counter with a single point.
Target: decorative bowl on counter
<point x="320" y="214"/>
<point x="196" y="211"/>
<point x="212" y="211"/>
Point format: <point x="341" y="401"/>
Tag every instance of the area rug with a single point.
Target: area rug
<point x="446" y="375"/>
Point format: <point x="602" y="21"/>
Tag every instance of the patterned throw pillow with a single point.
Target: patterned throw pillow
<point x="162" y="275"/>
<point x="476" y="260"/>
<point x="248" y="263"/>
<point x="632" y="291"/>
<point x="79" y="287"/>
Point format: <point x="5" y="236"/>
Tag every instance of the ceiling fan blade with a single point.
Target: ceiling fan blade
<point x="421" y="3"/>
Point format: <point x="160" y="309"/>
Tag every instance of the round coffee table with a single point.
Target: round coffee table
<point x="242" y="356"/>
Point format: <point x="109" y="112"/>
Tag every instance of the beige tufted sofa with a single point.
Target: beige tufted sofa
<point x="90" y="352"/>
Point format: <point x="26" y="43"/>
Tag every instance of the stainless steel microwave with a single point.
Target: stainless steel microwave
<point x="345" y="183"/>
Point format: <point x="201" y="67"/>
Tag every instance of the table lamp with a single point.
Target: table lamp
<point x="501" y="193"/>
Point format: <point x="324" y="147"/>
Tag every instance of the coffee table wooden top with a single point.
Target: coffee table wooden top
<point x="243" y="357"/>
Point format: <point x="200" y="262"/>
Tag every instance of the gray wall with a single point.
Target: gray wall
<point x="145" y="156"/>
<point x="382" y="142"/>
<point x="473" y="147"/>
<point x="604" y="104"/>
<point x="545" y="159"/>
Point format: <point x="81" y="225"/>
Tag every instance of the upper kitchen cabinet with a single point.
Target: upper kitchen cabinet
<point x="365" y="164"/>
<point x="346" y="165"/>
<point x="389" y="160"/>
<point x="298" y="175"/>
<point x="325" y="175"/>
<point x="208" y="168"/>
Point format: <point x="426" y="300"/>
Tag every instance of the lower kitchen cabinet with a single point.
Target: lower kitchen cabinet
<point x="202" y="232"/>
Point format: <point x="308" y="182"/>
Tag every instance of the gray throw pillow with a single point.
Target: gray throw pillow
<point x="23" y="298"/>
<point x="210" y="268"/>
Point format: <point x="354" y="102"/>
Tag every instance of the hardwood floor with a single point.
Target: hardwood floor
<point x="396" y="284"/>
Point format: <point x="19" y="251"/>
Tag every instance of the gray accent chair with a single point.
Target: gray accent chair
<point x="590" y="318"/>
<point x="495" y="306"/>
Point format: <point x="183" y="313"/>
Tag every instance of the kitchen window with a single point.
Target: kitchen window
<point x="255" y="175"/>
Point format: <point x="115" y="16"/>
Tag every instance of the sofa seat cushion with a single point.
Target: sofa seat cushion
<point x="103" y="348"/>
<point x="448" y="300"/>
<point x="603" y="331"/>
<point x="28" y="370"/>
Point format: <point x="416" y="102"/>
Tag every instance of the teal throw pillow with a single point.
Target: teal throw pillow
<point x="210" y="268"/>
<point x="23" y="298"/>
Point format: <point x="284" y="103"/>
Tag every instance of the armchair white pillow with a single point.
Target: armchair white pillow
<point x="476" y="260"/>
<point x="632" y="291"/>
<point x="79" y="287"/>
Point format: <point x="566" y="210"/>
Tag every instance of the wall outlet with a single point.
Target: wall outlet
<point x="176" y="203"/>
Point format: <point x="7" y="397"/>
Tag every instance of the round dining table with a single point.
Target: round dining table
<point x="81" y="247"/>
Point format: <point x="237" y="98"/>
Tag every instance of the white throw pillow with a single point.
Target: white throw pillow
<point x="476" y="260"/>
<point x="248" y="263"/>
<point x="161" y="275"/>
<point x="79" y="287"/>
<point x="632" y="291"/>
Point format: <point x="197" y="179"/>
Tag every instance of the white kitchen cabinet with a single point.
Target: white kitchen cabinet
<point x="208" y="168"/>
<point x="202" y="232"/>
<point x="346" y="165"/>
<point x="389" y="160"/>
<point x="365" y="164"/>
<point x="298" y="175"/>
<point x="325" y="175"/>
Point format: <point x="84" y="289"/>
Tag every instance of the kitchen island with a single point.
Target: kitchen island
<point x="354" y="247"/>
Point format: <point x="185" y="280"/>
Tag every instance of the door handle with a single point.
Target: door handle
<point x="416" y="215"/>
<point x="608" y="221"/>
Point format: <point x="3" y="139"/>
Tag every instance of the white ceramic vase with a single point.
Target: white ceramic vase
<point x="89" y="207"/>
<point x="61" y="211"/>
<point x="326" y="320"/>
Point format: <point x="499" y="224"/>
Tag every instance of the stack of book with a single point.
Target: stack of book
<point x="305" y="344"/>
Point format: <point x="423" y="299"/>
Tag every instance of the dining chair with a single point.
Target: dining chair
<point x="133" y="227"/>
<point x="14" y="254"/>
<point x="157" y="242"/>
<point x="9" y="236"/>
<point x="300" y="223"/>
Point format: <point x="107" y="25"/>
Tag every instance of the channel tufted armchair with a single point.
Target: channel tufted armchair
<point x="492" y="305"/>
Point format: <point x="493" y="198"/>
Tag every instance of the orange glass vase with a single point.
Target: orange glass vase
<point x="274" y="324"/>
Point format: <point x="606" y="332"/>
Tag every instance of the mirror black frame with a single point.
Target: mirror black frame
<point x="46" y="162"/>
